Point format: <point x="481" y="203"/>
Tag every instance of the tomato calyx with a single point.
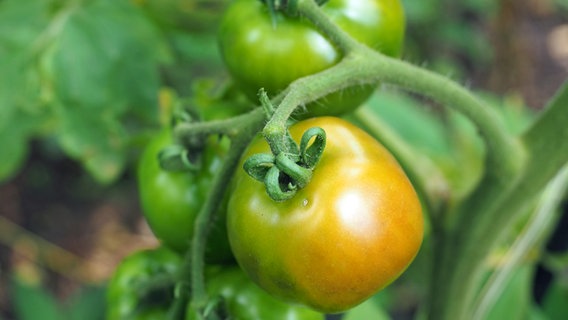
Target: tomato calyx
<point x="177" y="158"/>
<point x="183" y="155"/>
<point x="289" y="170"/>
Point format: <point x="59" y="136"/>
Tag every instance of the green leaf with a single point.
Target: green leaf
<point x="412" y="121"/>
<point x="103" y="67"/>
<point x="369" y="309"/>
<point x="515" y="300"/>
<point x="514" y="112"/>
<point x="108" y="56"/>
<point x="88" y="304"/>
<point x="554" y="303"/>
<point x="97" y="140"/>
<point x="562" y="3"/>
<point x="14" y="143"/>
<point x="422" y="11"/>
<point x="33" y="302"/>
<point x="546" y="142"/>
<point x="20" y="25"/>
<point x="21" y="22"/>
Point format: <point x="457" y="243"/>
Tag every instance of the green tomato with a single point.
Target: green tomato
<point x="133" y="271"/>
<point x="260" y="54"/>
<point x="349" y="233"/>
<point x="171" y="200"/>
<point x="243" y="300"/>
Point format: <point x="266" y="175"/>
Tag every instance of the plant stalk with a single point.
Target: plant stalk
<point x="191" y="284"/>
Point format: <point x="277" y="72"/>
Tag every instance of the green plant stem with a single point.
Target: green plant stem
<point x="311" y="10"/>
<point x="362" y="65"/>
<point x="191" y="282"/>
<point x="229" y="127"/>
<point x="302" y="92"/>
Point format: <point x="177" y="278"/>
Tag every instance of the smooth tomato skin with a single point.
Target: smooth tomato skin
<point x="171" y="200"/>
<point x="244" y="300"/>
<point x="137" y="268"/>
<point x="260" y="54"/>
<point x="350" y="232"/>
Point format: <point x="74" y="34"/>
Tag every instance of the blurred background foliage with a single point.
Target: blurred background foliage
<point x="84" y="83"/>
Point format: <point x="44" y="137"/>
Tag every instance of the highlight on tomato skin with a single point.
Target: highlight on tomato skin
<point x="349" y="233"/>
<point x="261" y="54"/>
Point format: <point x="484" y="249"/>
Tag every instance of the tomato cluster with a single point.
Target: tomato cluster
<point x="347" y="234"/>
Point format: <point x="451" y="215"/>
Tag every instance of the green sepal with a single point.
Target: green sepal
<point x="177" y="158"/>
<point x="310" y="155"/>
<point x="257" y="166"/>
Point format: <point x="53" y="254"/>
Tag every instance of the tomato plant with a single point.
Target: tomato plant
<point x="350" y="232"/>
<point x="262" y="53"/>
<point x="171" y="200"/>
<point x="336" y="219"/>
<point x="133" y="272"/>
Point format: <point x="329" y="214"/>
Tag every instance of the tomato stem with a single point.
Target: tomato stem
<point x="191" y="279"/>
<point x="229" y="127"/>
<point x="312" y="11"/>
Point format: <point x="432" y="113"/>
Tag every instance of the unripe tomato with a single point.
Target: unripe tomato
<point x="133" y="271"/>
<point x="350" y="232"/>
<point x="171" y="200"/>
<point x="244" y="300"/>
<point x="260" y="54"/>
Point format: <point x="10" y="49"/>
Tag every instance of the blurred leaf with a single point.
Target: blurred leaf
<point x="482" y="6"/>
<point x="422" y="11"/>
<point x="536" y="313"/>
<point x="107" y="57"/>
<point x="90" y="69"/>
<point x="189" y="15"/>
<point x="412" y="121"/>
<point x="104" y="66"/>
<point x="98" y="140"/>
<point x="14" y="144"/>
<point x="20" y="23"/>
<point x="20" y="111"/>
<point x="514" y="112"/>
<point x="557" y="261"/>
<point x="88" y="304"/>
<point x="367" y="310"/>
<point x="555" y="301"/>
<point x="466" y="39"/>
<point x="562" y="4"/>
<point x="515" y="300"/>
<point x="33" y="302"/>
